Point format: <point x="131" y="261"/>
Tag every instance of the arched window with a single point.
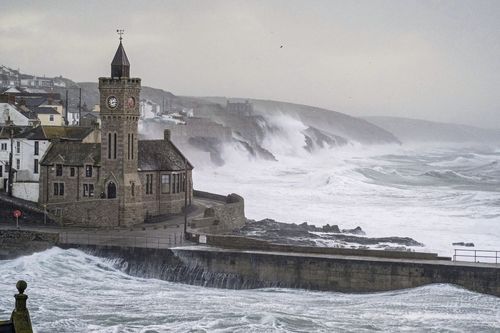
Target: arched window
<point x="111" y="190"/>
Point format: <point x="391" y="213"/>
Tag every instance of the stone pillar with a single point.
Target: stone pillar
<point x="20" y="316"/>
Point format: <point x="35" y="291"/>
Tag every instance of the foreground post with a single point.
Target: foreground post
<point x="20" y="316"/>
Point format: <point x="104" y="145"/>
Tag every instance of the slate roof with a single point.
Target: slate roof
<point x="154" y="155"/>
<point x="31" y="101"/>
<point x="120" y="66"/>
<point x="120" y="58"/>
<point x="44" y="110"/>
<point x="5" y="132"/>
<point x="72" y="153"/>
<point x="67" y="133"/>
<point x="160" y="155"/>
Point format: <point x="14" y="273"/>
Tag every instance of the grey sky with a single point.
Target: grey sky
<point x="437" y="60"/>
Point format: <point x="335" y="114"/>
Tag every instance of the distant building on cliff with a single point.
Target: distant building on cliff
<point x="120" y="181"/>
<point x="241" y="108"/>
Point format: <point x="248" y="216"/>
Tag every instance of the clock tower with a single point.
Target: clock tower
<point x="119" y="102"/>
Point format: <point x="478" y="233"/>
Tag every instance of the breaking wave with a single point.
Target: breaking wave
<point x="71" y="291"/>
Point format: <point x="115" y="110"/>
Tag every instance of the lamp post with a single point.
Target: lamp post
<point x="185" y="198"/>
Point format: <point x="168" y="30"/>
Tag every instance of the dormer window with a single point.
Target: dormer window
<point x="88" y="170"/>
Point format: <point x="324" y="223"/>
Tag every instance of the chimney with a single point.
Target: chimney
<point x="166" y="135"/>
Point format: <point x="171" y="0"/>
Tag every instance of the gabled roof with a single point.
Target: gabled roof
<point x="66" y="133"/>
<point x="160" y="155"/>
<point x="44" y="110"/>
<point x="11" y="90"/>
<point x="72" y="153"/>
<point x="31" y="101"/>
<point x="5" y="131"/>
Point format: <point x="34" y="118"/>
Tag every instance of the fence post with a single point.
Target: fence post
<point x="475" y="255"/>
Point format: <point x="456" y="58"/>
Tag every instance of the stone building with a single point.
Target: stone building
<point x="122" y="180"/>
<point x="245" y="108"/>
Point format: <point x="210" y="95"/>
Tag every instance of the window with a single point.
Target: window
<point x="165" y="183"/>
<point x="1" y="170"/>
<point x="51" y="117"/>
<point x="109" y="145"/>
<point x="58" y="189"/>
<point x="88" y="190"/>
<point x="183" y="183"/>
<point x="132" y="189"/>
<point x="18" y="164"/>
<point x="4" y="146"/>
<point x="128" y="146"/>
<point x="59" y="170"/>
<point x="72" y="172"/>
<point x="18" y="147"/>
<point x="36" y="148"/>
<point x="149" y="184"/>
<point x="114" y="146"/>
<point x="132" y="145"/>
<point x="173" y="183"/>
<point x="35" y="166"/>
<point x="88" y="171"/>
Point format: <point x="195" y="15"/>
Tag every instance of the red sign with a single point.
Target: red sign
<point x="17" y="213"/>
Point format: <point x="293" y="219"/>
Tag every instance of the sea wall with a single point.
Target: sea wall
<point x="249" y="243"/>
<point x="227" y="216"/>
<point x="238" y="269"/>
<point x="16" y="243"/>
<point x="339" y="273"/>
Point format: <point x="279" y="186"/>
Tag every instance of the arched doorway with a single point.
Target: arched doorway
<point x="111" y="190"/>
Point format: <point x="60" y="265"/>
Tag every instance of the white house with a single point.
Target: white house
<point x="16" y="115"/>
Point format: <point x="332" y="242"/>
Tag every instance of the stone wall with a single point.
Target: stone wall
<point x="248" y="243"/>
<point x="91" y="213"/>
<point x="227" y="216"/>
<point x="16" y="243"/>
<point x="337" y="273"/>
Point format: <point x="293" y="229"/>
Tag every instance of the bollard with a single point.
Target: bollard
<point x="20" y="316"/>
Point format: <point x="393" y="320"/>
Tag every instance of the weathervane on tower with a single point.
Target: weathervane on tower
<point x="120" y="32"/>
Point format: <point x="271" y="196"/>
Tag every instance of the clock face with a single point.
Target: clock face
<point x="112" y="102"/>
<point x="131" y="102"/>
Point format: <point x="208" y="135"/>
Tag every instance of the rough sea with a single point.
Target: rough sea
<point x="435" y="194"/>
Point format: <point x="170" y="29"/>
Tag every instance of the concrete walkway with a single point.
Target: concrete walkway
<point x="167" y="233"/>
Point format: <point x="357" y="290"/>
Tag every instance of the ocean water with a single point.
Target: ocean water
<point x="436" y="194"/>
<point x="70" y="291"/>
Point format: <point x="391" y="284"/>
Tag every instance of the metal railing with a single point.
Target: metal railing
<point x="484" y="256"/>
<point x="151" y="242"/>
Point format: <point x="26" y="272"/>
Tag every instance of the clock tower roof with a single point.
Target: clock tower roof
<point x="120" y="66"/>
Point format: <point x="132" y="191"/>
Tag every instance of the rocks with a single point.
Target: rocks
<point x="327" y="235"/>
<point x="355" y="231"/>
<point x="331" y="228"/>
<point x="463" y="244"/>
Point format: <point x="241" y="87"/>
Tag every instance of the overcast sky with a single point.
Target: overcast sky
<point x="436" y="60"/>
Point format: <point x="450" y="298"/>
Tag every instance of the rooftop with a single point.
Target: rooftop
<point x="68" y="133"/>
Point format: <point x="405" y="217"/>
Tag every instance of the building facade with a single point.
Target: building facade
<point x="121" y="180"/>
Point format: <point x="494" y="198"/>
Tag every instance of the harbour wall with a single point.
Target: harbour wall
<point x="243" y="269"/>
<point x="228" y="216"/>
